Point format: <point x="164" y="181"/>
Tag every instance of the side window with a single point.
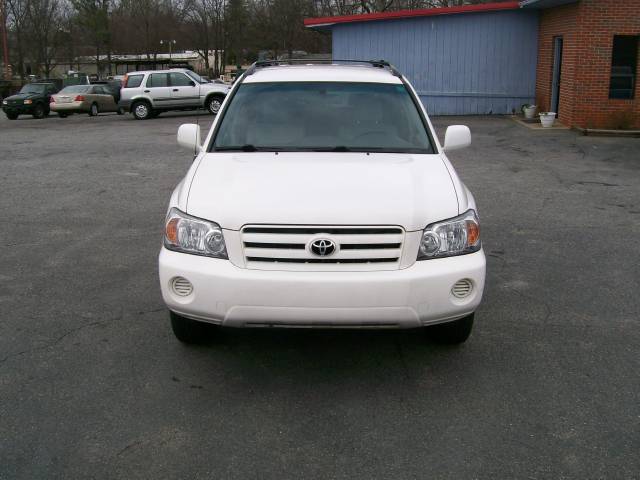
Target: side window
<point x="133" y="81"/>
<point x="157" y="80"/>
<point x="180" y="80"/>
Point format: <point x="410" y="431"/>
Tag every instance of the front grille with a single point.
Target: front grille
<point x="288" y="247"/>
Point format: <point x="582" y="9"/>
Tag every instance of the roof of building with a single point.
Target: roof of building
<point x="322" y="73"/>
<point x="544" y="3"/>
<point x="426" y="12"/>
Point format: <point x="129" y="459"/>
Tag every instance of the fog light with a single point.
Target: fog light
<point x="462" y="288"/>
<point x="181" y="286"/>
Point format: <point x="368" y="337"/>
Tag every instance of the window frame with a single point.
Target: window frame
<point x="148" y="82"/>
<point x="141" y="75"/>
<point x="188" y="77"/>
<point x="634" y="69"/>
<point x="433" y="146"/>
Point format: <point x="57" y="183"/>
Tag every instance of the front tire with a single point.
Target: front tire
<point x="213" y="104"/>
<point x="141" y="111"/>
<point x="452" y="333"/>
<point x="11" y="116"/>
<point x="120" y="111"/>
<point x="191" y="331"/>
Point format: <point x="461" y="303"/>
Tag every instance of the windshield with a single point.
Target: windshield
<point x="32" y="88"/>
<point x="75" y="89"/>
<point x="322" y="116"/>
<point x="196" y="77"/>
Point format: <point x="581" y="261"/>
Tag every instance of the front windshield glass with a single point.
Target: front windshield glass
<point x="322" y="116"/>
<point x="75" y="89"/>
<point x="196" y="77"/>
<point x="32" y="88"/>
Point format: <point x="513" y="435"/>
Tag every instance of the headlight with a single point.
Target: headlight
<point x="5" y="102"/>
<point x="456" y="236"/>
<point x="187" y="234"/>
<point x="28" y="102"/>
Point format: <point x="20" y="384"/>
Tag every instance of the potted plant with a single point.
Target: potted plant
<point x="547" y="119"/>
<point x="529" y="111"/>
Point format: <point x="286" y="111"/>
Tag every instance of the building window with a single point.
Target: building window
<point x="624" y="63"/>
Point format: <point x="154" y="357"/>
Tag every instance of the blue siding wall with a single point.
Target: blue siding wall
<point x="473" y="63"/>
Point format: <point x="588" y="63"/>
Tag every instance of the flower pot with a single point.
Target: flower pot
<point x="547" y="119"/>
<point x="529" y="111"/>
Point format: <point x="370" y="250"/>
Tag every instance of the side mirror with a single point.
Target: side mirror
<point x="192" y="83"/>
<point x="189" y="136"/>
<point x="456" y="137"/>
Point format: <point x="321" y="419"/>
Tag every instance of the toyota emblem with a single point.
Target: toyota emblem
<point x="322" y="247"/>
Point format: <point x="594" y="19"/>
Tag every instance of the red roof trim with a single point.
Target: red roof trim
<point x="427" y="12"/>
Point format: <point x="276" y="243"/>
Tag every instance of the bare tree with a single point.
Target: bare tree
<point x="18" y="22"/>
<point x="93" y="18"/>
<point x="44" y="17"/>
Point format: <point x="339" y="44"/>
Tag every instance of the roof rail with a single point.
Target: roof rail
<point x="301" y="61"/>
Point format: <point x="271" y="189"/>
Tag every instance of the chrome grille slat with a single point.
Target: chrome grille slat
<point x="320" y="260"/>
<point x="286" y="247"/>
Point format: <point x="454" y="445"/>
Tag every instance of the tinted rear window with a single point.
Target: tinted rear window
<point x="134" y="81"/>
<point x="157" y="80"/>
<point x="75" y="89"/>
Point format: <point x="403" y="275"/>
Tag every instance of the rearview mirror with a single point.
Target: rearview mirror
<point x="456" y="137"/>
<point x="189" y="136"/>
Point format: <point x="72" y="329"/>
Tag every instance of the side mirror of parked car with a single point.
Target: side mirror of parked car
<point x="189" y="136"/>
<point x="457" y="137"/>
<point x="192" y="83"/>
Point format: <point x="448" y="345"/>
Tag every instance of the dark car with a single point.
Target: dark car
<point x="32" y="99"/>
<point x="113" y="86"/>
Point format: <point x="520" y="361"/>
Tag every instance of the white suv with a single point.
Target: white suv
<point x="321" y="197"/>
<point x="147" y="94"/>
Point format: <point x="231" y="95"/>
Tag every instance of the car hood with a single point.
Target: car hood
<point x="235" y="189"/>
<point x="219" y="87"/>
<point x="22" y="96"/>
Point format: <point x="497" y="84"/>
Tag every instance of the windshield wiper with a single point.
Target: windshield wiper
<point x="237" y="148"/>
<point x="339" y="148"/>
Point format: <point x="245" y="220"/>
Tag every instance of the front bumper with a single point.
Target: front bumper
<point x="18" y="109"/>
<point x="232" y="296"/>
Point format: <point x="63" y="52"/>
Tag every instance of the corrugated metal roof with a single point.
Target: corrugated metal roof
<point x="427" y="12"/>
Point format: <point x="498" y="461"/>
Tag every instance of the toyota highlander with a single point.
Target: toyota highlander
<point x="321" y="197"/>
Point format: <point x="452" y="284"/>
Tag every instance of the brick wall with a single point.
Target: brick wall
<point x="587" y="28"/>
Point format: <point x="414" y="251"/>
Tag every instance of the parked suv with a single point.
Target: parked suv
<point x="147" y="94"/>
<point x="32" y="99"/>
<point x="321" y="197"/>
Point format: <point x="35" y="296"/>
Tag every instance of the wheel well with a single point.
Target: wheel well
<point x="219" y="96"/>
<point x="140" y="100"/>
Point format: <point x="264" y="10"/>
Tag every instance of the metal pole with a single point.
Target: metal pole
<point x="5" y="43"/>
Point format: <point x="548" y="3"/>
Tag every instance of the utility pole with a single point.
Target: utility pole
<point x="5" y="42"/>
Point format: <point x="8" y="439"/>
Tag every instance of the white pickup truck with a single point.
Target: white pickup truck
<point x="321" y="197"/>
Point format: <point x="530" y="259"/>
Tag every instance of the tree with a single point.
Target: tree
<point x="44" y="17"/>
<point x="18" y="22"/>
<point x="93" y="18"/>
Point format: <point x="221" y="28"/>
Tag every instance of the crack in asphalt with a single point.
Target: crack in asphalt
<point x="59" y="339"/>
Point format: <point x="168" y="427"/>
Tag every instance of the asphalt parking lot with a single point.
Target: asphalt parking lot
<point x="94" y="385"/>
